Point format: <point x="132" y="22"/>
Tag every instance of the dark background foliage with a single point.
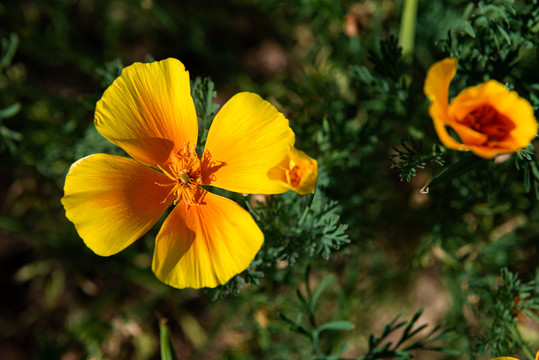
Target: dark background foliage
<point x="336" y="269"/>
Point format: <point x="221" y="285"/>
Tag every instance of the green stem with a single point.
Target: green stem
<point x="521" y="342"/>
<point x="466" y="163"/>
<point x="304" y="215"/>
<point x="166" y="351"/>
<point x="407" y="28"/>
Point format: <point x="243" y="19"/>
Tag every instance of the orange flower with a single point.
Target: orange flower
<point x="488" y="118"/>
<point x="297" y="171"/>
<point x="113" y="200"/>
<point x="512" y="358"/>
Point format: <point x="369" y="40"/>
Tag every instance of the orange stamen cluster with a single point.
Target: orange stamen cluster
<point x="488" y="121"/>
<point x="295" y="175"/>
<point x="184" y="170"/>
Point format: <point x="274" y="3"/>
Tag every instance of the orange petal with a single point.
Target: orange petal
<point x="467" y="135"/>
<point x="436" y="88"/>
<point x="488" y="152"/>
<point x="297" y="170"/>
<point x="205" y="245"/>
<point x="471" y="98"/>
<point x="439" y="119"/>
<point x="250" y="136"/>
<point x="437" y="82"/>
<point x="113" y="200"/>
<point x="520" y="112"/>
<point x="148" y="111"/>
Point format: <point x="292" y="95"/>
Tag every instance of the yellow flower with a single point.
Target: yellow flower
<point x="512" y="358"/>
<point x="113" y="200"/>
<point x="488" y="118"/>
<point x="297" y="171"/>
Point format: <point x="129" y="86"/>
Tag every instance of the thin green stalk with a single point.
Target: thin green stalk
<point x="521" y="342"/>
<point x="407" y="29"/>
<point x="166" y="346"/>
<point x="304" y="215"/>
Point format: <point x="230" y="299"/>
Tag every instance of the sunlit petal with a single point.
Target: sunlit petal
<point x="250" y="137"/>
<point x="205" y="245"/>
<point x="148" y="111"/>
<point x="113" y="200"/>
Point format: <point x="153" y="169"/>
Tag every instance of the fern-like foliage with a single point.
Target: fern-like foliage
<point x="410" y="156"/>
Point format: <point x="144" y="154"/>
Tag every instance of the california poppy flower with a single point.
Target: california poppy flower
<point x="512" y="358"/>
<point x="297" y="170"/>
<point x="113" y="200"/>
<point x="488" y="118"/>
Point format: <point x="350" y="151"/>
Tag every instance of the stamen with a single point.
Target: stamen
<point x="296" y="174"/>
<point x="166" y="172"/>
<point x="184" y="170"/>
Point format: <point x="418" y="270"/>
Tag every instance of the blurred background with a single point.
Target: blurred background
<point x="466" y="253"/>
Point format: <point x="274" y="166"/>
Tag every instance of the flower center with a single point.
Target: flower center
<point x="295" y="176"/>
<point x="487" y="120"/>
<point x="185" y="178"/>
<point x="184" y="170"/>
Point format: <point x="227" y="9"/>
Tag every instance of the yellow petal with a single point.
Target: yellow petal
<point x="205" y="245"/>
<point x="148" y="111"/>
<point x="113" y="200"/>
<point x="473" y="97"/>
<point x="505" y="358"/>
<point x="437" y="82"/>
<point x="250" y="136"/>
<point x="436" y="88"/>
<point x="297" y="170"/>
<point x="520" y="112"/>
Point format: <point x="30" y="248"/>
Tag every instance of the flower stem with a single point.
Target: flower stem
<point x="304" y="215"/>
<point x="407" y="28"/>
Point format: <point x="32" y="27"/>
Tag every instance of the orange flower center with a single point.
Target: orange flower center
<point x="487" y="120"/>
<point x="295" y="176"/>
<point x="185" y="172"/>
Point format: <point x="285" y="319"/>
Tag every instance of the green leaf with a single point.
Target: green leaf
<point x="323" y="285"/>
<point x="166" y="346"/>
<point x="466" y="163"/>
<point x="10" y="111"/>
<point x="9" y="47"/>
<point x="504" y="34"/>
<point x="338" y="325"/>
<point x="468" y="28"/>
<point x="111" y="71"/>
